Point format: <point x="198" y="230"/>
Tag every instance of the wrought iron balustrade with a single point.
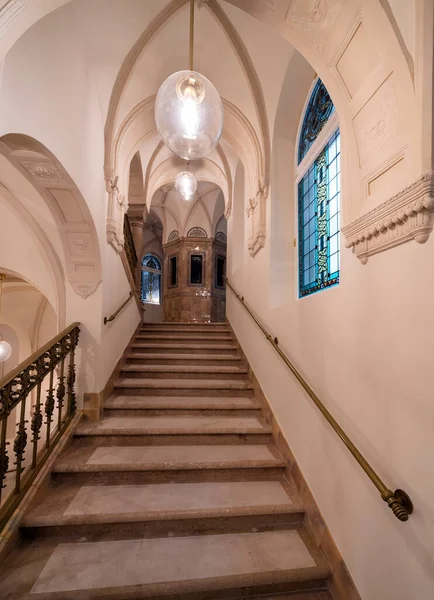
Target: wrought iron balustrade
<point x="37" y="402"/>
<point x="130" y="250"/>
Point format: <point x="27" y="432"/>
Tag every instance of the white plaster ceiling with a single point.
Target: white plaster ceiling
<point x="205" y="210"/>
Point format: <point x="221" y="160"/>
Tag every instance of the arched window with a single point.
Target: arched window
<point x="318" y="178"/>
<point x="151" y="279"/>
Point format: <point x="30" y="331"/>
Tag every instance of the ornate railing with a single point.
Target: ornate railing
<point x="130" y="250"/>
<point x="399" y="501"/>
<point x="37" y="401"/>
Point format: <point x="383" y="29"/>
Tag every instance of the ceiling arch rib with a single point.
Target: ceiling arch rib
<point x="260" y="141"/>
<point x="140" y="124"/>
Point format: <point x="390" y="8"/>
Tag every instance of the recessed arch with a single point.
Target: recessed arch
<point x="66" y="204"/>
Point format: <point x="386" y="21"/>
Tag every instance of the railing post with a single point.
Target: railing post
<point x="36" y="424"/>
<point x="4" y="458"/>
<point x="60" y="394"/>
<point x="72" y="403"/>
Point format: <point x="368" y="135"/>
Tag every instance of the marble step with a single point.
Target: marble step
<point x="183" y="387"/>
<point x="184" y="371"/>
<point x="228" y="565"/>
<point x="149" y="358"/>
<point x="182" y="332"/>
<point x="163" y="430"/>
<point x="203" y="349"/>
<point x="132" y="464"/>
<point x="172" y="405"/>
<point x="173" y="425"/>
<point x="183" y="402"/>
<point x="185" y="325"/>
<point x="124" y="511"/>
<point x="184" y="338"/>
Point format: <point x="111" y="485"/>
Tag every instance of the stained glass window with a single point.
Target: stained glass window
<point x="318" y="111"/>
<point x="318" y="197"/>
<point x="151" y="279"/>
<point x="151" y="262"/>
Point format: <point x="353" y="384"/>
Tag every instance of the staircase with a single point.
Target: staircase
<point x="177" y="493"/>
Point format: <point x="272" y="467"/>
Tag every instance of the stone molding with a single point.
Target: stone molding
<point x="406" y="216"/>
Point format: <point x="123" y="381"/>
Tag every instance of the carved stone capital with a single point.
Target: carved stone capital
<point x="137" y="222"/>
<point x="406" y="216"/>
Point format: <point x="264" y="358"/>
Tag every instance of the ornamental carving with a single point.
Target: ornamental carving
<point x="314" y="18"/>
<point x="84" y="289"/>
<point x="221" y="237"/>
<point x="261" y="196"/>
<point x="376" y="121"/>
<point x="197" y="232"/>
<point x="173" y="235"/>
<point x="405" y="217"/>
<point x="44" y="172"/>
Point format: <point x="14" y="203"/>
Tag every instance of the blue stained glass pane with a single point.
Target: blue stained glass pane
<point x="333" y="206"/>
<point x="319" y="221"/>
<point x="332" y="169"/>
<point x="151" y="283"/>
<point x="318" y="111"/>
<point x="334" y="263"/>
<point x="333" y="187"/>
<point x="151" y="262"/>
<point x="333" y="244"/>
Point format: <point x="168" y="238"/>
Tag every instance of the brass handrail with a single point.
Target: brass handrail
<point x="399" y="501"/>
<point x="37" y="354"/>
<point x="115" y="314"/>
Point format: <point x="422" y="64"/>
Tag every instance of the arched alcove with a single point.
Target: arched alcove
<point x="70" y="213"/>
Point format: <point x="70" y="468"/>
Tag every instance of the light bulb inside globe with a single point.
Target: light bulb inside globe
<point x="5" y="351"/>
<point x="189" y="114"/>
<point x="186" y="184"/>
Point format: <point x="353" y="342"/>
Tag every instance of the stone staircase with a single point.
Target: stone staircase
<point x="176" y="493"/>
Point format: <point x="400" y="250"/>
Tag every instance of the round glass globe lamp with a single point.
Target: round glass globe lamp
<point x="189" y="114"/>
<point x="5" y="351"/>
<point x="186" y="184"/>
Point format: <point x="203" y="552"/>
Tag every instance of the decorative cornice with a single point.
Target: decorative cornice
<point x="406" y="216"/>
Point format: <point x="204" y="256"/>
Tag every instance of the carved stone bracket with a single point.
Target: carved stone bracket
<point x="256" y="213"/>
<point x="405" y="217"/>
<point x="117" y="207"/>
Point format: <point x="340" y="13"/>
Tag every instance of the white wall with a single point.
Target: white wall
<point x="365" y="347"/>
<point x="54" y="90"/>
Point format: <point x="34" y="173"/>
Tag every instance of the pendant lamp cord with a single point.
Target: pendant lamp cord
<point x="191" y="33"/>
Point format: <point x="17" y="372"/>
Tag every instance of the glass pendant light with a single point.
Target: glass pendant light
<point x="5" y="347"/>
<point x="5" y="351"/>
<point x="189" y="110"/>
<point x="186" y="184"/>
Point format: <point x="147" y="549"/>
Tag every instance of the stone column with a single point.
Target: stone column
<point x="137" y="227"/>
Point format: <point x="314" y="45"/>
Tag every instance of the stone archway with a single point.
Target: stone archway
<point x="67" y="205"/>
